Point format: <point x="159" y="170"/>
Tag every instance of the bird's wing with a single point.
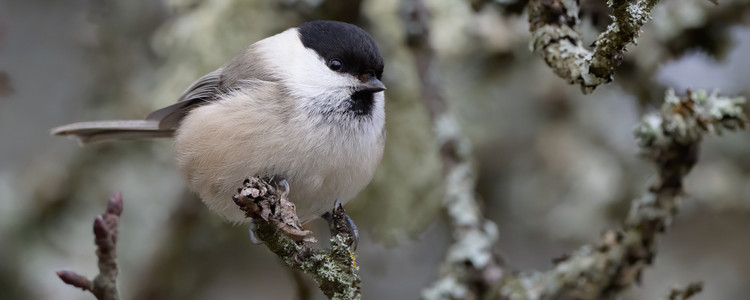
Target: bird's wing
<point x="201" y="91"/>
<point x="245" y="70"/>
<point x="160" y="123"/>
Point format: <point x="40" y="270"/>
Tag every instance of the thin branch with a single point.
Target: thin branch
<point x="679" y="293"/>
<point x="277" y="225"/>
<point x="555" y="36"/>
<point x="669" y="139"/>
<point x="104" y="286"/>
<point x="470" y="265"/>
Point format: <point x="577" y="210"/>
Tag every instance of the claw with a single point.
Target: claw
<point x="251" y="233"/>
<point x="284" y="183"/>
<point x="354" y="232"/>
<point x="335" y="224"/>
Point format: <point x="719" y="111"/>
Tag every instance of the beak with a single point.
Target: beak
<point x="371" y="85"/>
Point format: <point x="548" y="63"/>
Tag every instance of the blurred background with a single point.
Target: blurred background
<point x="556" y="167"/>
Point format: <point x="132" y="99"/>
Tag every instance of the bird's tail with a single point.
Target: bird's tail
<point x="88" y="132"/>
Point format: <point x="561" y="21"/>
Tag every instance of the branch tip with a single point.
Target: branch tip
<point x="76" y="280"/>
<point x="114" y="206"/>
<point x="104" y="286"/>
<point x="100" y="229"/>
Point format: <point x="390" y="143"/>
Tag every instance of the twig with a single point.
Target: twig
<point x="679" y="293"/>
<point x="603" y="270"/>
<point x="276" y="224"/>
<point x="470" y="265"/>
<point x="104" y="286"/>
<point x="555" y="36"/>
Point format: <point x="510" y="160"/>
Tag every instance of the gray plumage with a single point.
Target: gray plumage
<point x="204" y="89"/>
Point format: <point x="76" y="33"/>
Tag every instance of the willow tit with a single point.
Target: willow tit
<point x="306" y="105"/>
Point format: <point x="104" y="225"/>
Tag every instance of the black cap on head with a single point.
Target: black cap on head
<point x="350" y="45"/>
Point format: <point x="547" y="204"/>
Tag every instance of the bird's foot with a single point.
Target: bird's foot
<point x="340" y="222"/>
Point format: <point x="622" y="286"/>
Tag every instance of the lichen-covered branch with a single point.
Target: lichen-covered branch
<point x="277" y="225"/>
<point x="470" y="264"/>
<point x="555" y="36"/>
<point x="104" y="286"/>
<point x="601" y="271"/>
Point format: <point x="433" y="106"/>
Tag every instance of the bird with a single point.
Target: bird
<point x="306" y="105"/>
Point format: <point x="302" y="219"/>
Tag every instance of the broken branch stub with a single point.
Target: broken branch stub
<point x="263" y="201"/>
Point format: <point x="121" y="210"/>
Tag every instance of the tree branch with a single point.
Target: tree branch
<point x="603" y="270"/>
<point x="555" y="36"/>
<point x="679" y="293"/>
<point x="470" y="265"/>
<point x="104" y="286"/>
<point x="277" y="225"/>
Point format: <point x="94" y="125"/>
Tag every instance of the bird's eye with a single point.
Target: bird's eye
<point x="335" y="64"/>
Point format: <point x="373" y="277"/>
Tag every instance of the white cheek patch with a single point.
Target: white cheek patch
<point x="303" y="70"/>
